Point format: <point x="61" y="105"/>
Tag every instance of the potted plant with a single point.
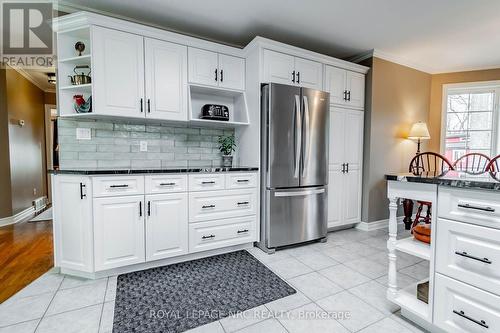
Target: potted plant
<point x="226" y="146"/>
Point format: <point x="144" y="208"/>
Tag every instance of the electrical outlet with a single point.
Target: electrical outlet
<point x="83" y="134"/>
<point x="143" y="146"/>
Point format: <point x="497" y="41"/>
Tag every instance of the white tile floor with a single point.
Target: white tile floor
<point x="348" y="273"/>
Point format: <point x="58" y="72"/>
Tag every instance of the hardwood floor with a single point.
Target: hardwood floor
<point x="26" y="252"/>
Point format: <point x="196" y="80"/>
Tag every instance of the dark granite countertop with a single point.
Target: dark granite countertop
<point x="460" y="179"/>
<point x="129" y="171"/>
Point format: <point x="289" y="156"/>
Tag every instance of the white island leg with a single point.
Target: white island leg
<point x="391" y="246"/>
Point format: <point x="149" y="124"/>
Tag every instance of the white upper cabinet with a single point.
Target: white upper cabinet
<point x="286" y="69"/>
<point x="278" y="67"/>
<point x="231" y="72"/>
<point x="217" y="70"/>
<point x="117" y="73"/>
<point x="346" y="88"/>
<point x="166" y="80"/>
<point x="203" y="67"/>
<point x="309" y="74"/>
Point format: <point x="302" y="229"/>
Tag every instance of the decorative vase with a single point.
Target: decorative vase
<point x="227" y="161"/>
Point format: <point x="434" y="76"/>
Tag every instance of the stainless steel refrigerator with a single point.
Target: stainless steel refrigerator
<point x="295" y="136"/>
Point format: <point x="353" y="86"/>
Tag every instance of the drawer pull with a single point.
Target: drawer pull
<point x="242" y="231"/>
<point x="168" y="184"/>
<point x="118" y="186"/>
<point x="243" y="180"/>
<point x="466" y="255"/>
<point x="208" y="237"/>
<point x="463" y="315"/>
<point x="206" y="183"/>
<point x="208" y="206"/>
<point x="243" y="203"/>
<point x="484" y="209"/>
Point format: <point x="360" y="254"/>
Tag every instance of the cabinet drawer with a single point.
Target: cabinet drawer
<point x="469" y="253"/>
<point x="216" y="234"/>
<point x="156" y="184"/>
<point x="470" y="206"/>
<point x="461" y="308"/>
<point x="118" y="185"/>
<point x="213" y="205"/>
<point x="206" y="182"/>
<point x="241" y="180"/>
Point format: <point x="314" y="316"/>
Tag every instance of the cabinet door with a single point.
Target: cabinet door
<point x="352" y="196"/>
<point x="278" y="67"/>
<point x="166" y="80"/>
<point x="203" y="67"/>
<point x="166" y="225"/>
<point x="231" y="72"/>
<point x="335" y="84"/>
<point x="353" y="142"/>
<point x="309" y="73"/>
<point x="73" y="222"/>
<point x="117" y="73"/>
<point x="337" y="137"/>
<point x="335" y="197"/>
<point x="355" y="85"/>
<point x="118" y="231"/>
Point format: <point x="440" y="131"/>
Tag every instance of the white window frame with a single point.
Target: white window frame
<point x="477" y="87"/>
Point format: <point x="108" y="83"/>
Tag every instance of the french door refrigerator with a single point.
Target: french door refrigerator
<point x="295" y="136"/>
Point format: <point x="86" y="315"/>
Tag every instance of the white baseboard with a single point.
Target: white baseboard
<point x="19" y="217"/>
<point x="380" y="224"/>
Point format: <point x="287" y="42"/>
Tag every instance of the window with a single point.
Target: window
<point x="470" y="123"/>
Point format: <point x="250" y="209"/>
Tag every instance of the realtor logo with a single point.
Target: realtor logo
<point x="26" y="28"/>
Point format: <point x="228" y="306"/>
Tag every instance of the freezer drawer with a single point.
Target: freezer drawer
<point x="295" y="215"/>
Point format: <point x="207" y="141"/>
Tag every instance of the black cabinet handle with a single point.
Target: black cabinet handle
<point x="347" y="167"/>
<point x="349" y="95"/>
<point x="216" y="74"/>
<point x="298" y="77"/>
<point x="210" y="182"/>
<point x="243" y="203"/>
<point x="118" y="186"/>
<point x="345" y="95"/>
<point x="208" y="206"/>
<point x="463" y="315"/>
<point x="149" y="208"/>
<point x="208" y="237"/>
<point x="149" y="105"/>
<point x="82" y="195"/>
<point x="293" y="76"/>
<point x="140" y="208"/>
<point x="484" y="209"/>
<point x="243" y="180"/>
<point x="343" y="167"/>
<point x="466" y="255"/>
<point x="167" y="184"/>
<point x="242" y="231"/>
<point x="221" y="75"/>
<point x="141" y="105"/>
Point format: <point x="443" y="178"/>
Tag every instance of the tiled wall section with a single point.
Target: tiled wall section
<point x="116" y="145"/>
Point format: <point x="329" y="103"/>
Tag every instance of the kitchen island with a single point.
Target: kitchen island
<point x="112" y="221"/>
<point x="464" y="254"/>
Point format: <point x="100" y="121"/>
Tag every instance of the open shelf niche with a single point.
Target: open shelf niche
<point x="68" y="59"/>
<point x="234" y="100"/>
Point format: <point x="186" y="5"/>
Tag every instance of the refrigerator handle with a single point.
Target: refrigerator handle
<point x="299" y="193"/>
<point x="298" y="136"/>
<point x="306" y="136"/>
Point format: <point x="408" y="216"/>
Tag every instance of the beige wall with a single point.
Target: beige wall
<point x="397" y="97"/>
<point x="25" y="102"/>
<point x="436" y="103"/>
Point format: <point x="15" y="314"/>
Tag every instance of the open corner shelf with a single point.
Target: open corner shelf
<point x="77" y="60"/>
<point x="233" y="99"/>
<point x="76" y="87"/>
<point x="407" y="299"/>
<point x="414" y="247"/>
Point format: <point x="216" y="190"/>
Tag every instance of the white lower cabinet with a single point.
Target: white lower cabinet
<point x="118" y="231"/>
<point x="166" y="225"/>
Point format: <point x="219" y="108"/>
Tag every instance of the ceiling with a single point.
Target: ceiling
<point x="434" y="36"/>
<point x="38" y="76"/>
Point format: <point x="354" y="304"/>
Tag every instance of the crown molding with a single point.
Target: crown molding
<point x="30" y="78"/>
<point x="392" y="58"/>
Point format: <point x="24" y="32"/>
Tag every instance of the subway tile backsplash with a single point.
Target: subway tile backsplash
<point x="117" y="145"/>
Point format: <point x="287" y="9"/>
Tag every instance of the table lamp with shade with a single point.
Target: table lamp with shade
<point x="419" y="132"/>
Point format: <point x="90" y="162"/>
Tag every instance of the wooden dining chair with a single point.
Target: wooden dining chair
<point x="494" y="164"/>
<point x="427" y="162"/>
<point x="472" y="163"/>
